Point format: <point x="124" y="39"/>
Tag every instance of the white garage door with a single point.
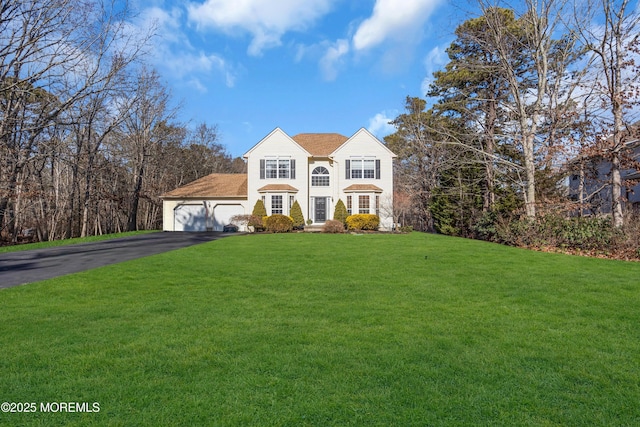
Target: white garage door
<point x="189" y="218"/>
<point x="222" y="215"/>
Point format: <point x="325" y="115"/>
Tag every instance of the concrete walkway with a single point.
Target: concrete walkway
<point x="17" y="268"/>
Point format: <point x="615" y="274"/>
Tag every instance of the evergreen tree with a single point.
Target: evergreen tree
<point x="340" y="213"/>
<point x="472" y="92"/>
<point x="296" y="215"/>
<point x="259" y="209"/>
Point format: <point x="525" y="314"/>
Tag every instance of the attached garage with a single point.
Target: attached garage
<point x="222" y="215"/>
<point x="189" y="218"/>
<point x="224" y="196"/>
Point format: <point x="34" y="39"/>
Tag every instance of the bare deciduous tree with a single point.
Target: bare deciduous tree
<point x="53" y="55"/>
<point x="532" y="40"/>
<point x="615" y="44"/>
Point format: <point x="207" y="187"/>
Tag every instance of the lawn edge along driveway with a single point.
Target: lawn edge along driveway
<point x="18" y="268"/>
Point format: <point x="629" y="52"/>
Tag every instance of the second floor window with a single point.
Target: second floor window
<point x="362" y="168"/>
<point x="277" y="168"/>
<point x="271" y="168"/>
<point x="284" y="168"/>
<point x="320" y="177"/>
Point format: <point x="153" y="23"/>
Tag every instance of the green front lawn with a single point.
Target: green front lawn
<point x="318" y="330"/>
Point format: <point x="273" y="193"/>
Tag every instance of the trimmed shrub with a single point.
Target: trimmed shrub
<point x="363" y="222"/>
<point x="333" y="226"/>
<point x="296" y="215"/>
<point x="340" y="213"/>
<point x="259" y="209"/>
<point x="278" y="223"/>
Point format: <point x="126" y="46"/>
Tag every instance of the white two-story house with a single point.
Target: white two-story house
<point x="314" y="169"/>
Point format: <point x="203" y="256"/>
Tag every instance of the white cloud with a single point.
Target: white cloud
<point x="174" y="53"/>
<point x="379" y="124"/>
<point x="266" y="21"/>
<point x="197" y="85"/>
<point x="333" y="58"/>
<point x="167" y="23"/>
<point x="392" y="19"/>
<point x="435" y="60"/>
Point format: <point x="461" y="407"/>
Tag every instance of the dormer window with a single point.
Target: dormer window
<point x="320" y="177"/>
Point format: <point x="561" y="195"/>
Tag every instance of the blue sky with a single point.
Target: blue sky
<point x="250" y="66"/>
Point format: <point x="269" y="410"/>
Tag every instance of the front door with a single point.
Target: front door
<point x="320" y="209"/>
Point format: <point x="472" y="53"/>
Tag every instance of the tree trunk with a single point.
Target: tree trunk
<point x="616" y="192"/>
<point x="132" y="222"/>
<point x="530" y="169"/>
<point x="489" y="197"/>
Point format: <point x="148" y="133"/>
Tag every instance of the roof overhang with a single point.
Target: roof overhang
<point x="239" y="198"/>
<point x="362" y="188"/>
<point x="275" y="188"/>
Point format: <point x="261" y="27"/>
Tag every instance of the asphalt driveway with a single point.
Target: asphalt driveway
<point x="17" y="268"/>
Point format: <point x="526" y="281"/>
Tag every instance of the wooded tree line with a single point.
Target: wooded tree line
<point x="88" y="134"/>
<point x="529" y="95"/>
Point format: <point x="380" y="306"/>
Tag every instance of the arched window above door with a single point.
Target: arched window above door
<point x="320" y="177"/>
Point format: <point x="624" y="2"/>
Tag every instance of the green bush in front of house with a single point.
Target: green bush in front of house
<point x="278" y="223"/>
<point x="296" y="215"/>
<point x="259" y="209"/>
<point x="340" y="213"/>
<point x="363" y="222"/>
<point x="258" y="215"/>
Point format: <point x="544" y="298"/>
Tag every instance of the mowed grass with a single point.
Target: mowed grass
<point x="320" y="330"/>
